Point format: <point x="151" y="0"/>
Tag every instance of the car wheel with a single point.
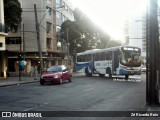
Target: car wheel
<point x="70" y="79"/>
<point x="41" y="82"/>
<point x="126" y="77"/>
<point x="61" y="81"/>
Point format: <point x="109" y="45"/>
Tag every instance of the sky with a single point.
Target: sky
<point x="110" y="14"/>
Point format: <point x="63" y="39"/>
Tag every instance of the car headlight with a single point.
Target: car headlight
<point x="56" y="76"/>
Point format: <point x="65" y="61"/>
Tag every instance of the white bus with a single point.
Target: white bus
<point x="120" y="60"/>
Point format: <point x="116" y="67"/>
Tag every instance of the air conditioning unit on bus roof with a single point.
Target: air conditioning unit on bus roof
<point x="92" y="50"/>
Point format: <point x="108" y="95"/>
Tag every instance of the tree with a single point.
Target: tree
<point x="12" y="14"/>
<point x="83" y="32"/>
<point x="113" y="43"/>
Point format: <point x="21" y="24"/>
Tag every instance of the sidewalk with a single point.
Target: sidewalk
<point x="9" y="81"/>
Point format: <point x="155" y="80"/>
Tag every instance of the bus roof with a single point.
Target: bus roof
<point x="92" y="51"/>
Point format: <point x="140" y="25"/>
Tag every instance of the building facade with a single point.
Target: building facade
<point x="24" y="41"/>
<point x="135" y="31"/>
<point x="3" y="57"/>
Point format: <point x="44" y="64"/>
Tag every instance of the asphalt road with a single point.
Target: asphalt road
<point x="83" y="94"/>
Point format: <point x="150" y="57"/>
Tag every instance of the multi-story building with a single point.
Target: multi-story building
<point x="2" y="42"/>
<point x="135" y="31"/>
<point x="48" y="12"/>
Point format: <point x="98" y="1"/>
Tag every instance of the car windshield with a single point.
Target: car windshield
<point x="54" y="69"/>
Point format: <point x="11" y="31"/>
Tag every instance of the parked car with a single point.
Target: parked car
<point x="56" y="74"/>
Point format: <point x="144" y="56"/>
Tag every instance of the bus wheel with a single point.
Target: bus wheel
<point x="110" y="75"/>
<point x="108" y="71"/>
<point x="90" y="74"/>
<point x="126" y="77"/>
<point x="101" y="75"/>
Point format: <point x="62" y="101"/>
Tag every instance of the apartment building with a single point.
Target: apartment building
<point x="25" y="39"/>
<point x="3" y="57"/>
<point x="135" y="31"/>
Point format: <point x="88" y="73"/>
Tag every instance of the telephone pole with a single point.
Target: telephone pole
<point x="38" y="38"/>
<point x="152" y="45"/>
<point x="24" y="50"/>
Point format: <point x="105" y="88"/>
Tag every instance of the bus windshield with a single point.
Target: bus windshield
<point x="131" y="57"/>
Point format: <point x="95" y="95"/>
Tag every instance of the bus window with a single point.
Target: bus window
<point x="108" y="55"/>
<point x="103" y="56"/>
<point x="80" y="58"/>
<point x="88" y="57"/>
<point x="97" y="56"/>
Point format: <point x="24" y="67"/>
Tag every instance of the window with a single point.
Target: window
<point x="63" y="18"/>
<point x="53" y="62"/>
<point x="1" y="44"/>
<point x="97" y="56"/>
<point x="109" y="55"/>
<point x="49" y="10"/>
<point x="88" y="57"/>
<point x="58" y="28"/>
<point x="49" y="43"/>
<point x="59" y="62"/>
<point x="13" y="40"/>
<point x="58" y="15"/>
<point x="63" y="4"/>
<point x="103" y="56"/>
<point x="66" y="7"/>
<point x="70" y="11"/>
<point x="58" y="2"/>
<point x="48" y="27"/>
<point x="80" y="58"/>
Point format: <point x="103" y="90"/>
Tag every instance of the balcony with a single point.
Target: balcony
<point x="2" y="28"/>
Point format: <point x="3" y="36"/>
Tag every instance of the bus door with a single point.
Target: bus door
<point x="92" y="62"/>
<point x="115" y="60"/>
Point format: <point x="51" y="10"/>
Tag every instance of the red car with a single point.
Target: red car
<point x="56" y="74"/>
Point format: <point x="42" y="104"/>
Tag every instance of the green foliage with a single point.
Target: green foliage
<point x="83" y="32"/>
<point x="12" y="14"/>
<point x="113" y="43"/>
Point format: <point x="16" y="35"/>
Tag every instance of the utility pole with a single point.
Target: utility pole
<point x="68" y="46"/>
<point x="152" y="44"/>
<point x="38" y="38"/>
<point x="24" y="50"/>
<point x="20" y="53"/>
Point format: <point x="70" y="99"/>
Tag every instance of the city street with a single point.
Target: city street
<point x="83" y="94"/>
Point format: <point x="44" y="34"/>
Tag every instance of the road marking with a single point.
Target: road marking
<point x="36" y="106"/>
<point x="29" y="109"/>
<point x="88" y="89"/>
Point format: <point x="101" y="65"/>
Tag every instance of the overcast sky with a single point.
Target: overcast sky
<point x="110" y="14"/>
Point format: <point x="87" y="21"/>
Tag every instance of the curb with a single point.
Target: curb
<point x="27" y="82"/>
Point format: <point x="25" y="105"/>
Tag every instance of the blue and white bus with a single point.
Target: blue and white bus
<point x="120" y="60"/>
